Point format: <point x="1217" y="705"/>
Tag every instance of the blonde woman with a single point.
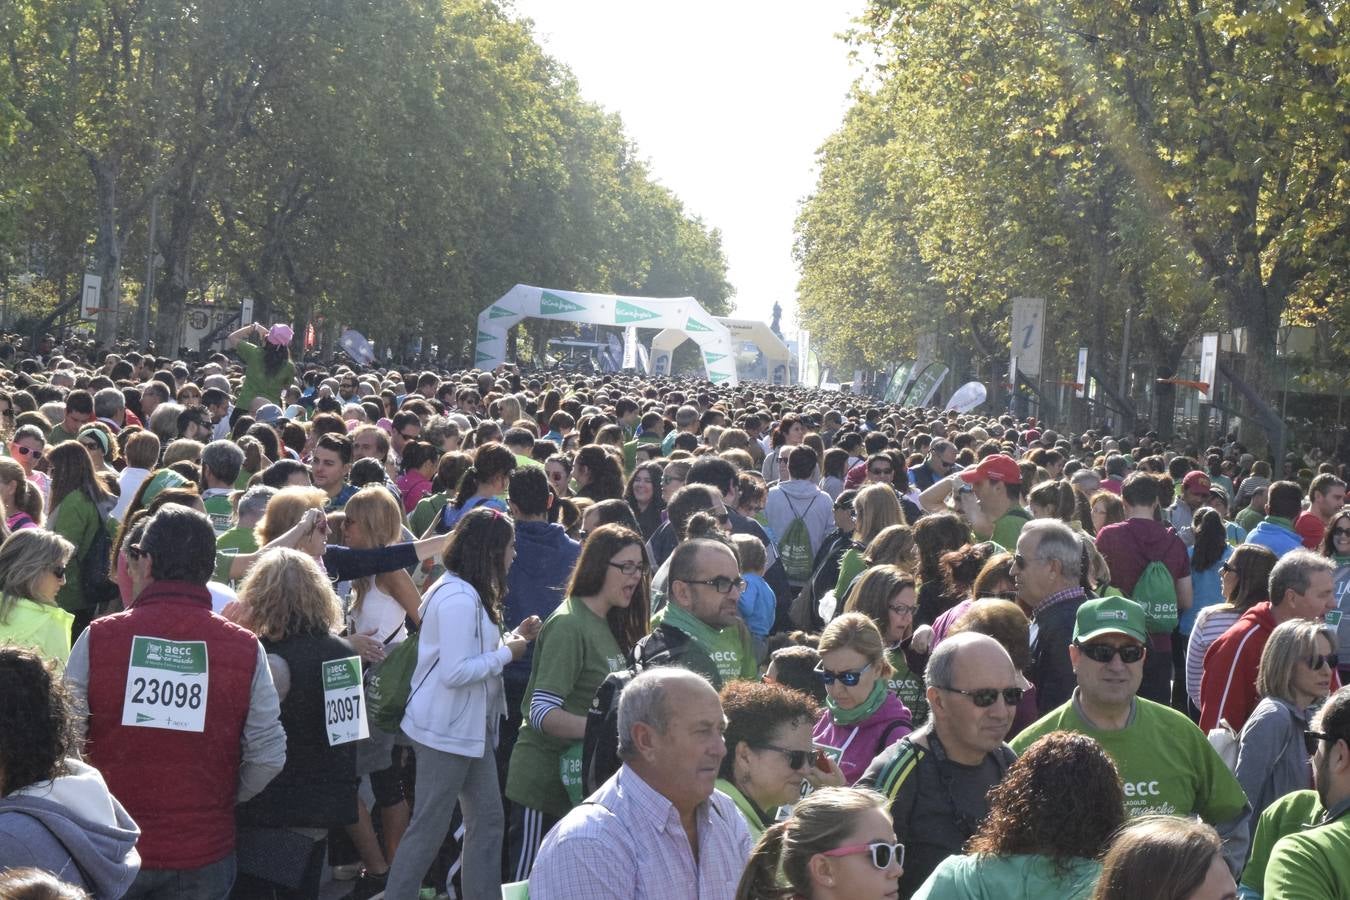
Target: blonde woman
<point x="862" y="717"/>
<point x="294" y="613"/>
<point x="32" y="570"/>
<point x="875" y="508"/>
<point x="838" y="844"/>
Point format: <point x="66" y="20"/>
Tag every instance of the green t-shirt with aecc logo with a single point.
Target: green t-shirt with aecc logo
<point x="572" y="655"/>
<point x="1165" y="762"/>
<point x="908" y="686"/>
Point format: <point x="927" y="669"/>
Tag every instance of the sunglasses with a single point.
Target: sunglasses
<point x="882" y="853"/>
<point x="848" y="679"/>
<point x="985" y="697"/>
<point x="796" y="759"/>
<point x="1104" y="653"/>
<point x="25" y="451"/>
<point x="1335" y="532"/>
<point x="722" y="584"/>
<point x="1331" y="660"/>
<point x="1225" y="567"/>
<point x="59" y="571"/>
<point x="1311" y="739"/>
<point x="630" y="567"/>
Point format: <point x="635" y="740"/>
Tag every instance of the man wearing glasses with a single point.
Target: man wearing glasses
<point x="937" y="778"/>
<point x="1166" y="764"/>
<point x="940" y="463"/>
<point x="701" y="628"/>
<point x="1312" y="862"/>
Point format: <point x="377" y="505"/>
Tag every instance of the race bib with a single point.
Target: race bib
<point x="166" y="685"/>
<point x="1333" y="618"/>
<point x="343" y="710"/>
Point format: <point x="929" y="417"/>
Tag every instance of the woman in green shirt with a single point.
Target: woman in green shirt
<point x="267" y="369"/>
<point x="80" y="507"/>
<point x="590" y="635"/>
<point x="32" y="569"/>
<point x="876" y="507"/>
<point x="889" y="597"/>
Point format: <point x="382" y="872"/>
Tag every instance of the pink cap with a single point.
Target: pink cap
<point x="280" y="335"/>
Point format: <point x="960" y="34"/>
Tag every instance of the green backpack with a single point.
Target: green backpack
<point x="389" y="686"/>
<point x="1156" y="592"/>
<point x="794" y="547"/>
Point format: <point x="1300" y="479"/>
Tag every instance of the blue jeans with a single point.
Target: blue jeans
<point x="210" y="882"/>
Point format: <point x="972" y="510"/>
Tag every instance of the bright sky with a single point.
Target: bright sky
<point x="728" y="101"/>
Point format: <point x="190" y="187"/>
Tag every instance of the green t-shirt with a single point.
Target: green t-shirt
<point x="572" y="655"/>
<point x="218" y="508"/>
<point x="59" y="434"/>
<point x="1008" y="526"/>
<point x="908" y="686"/>
<point x="1166" y="765"/>
<point x="730" y="649"/>
<point x="426" y="511"/>
<point x="851" y="566"/>
<point x="257" y="383"/>
<point x="1249" y="518"/>
<point x="1311" y="863"/>
<point x="1291" y="813"/>
<point x="233" y="542"/>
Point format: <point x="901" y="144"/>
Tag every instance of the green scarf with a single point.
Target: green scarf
<point x="861" y="711"/>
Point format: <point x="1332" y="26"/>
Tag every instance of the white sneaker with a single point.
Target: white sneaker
<point x="347" y="872"/>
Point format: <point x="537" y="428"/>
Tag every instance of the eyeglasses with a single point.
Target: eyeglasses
<point x="1335" y="532"/>
<point x="985" y="697"/>
<point x="901" y="609"/>
<point x="1311" y="738"/>
<point x="1225" y="567"/>
<point x="796" y="759"/>
<point x="1331" y="660"/>
<point x="25" y="451"/>
<point x="630" y="567"/>
<point x="59" y="571"/>
<point x="882" y="853"/>
<point x="1104" y="653"/>
<point x="848" y="679"/>
<point x="722" y="584"/>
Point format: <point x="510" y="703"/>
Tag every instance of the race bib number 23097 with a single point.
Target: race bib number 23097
<point x="166" y="684"/>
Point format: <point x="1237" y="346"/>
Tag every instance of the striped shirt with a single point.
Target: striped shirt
<point x="626" y="842"/>
<point x="1210" y="622"/>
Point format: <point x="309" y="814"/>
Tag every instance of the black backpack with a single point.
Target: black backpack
<point x="96" y="567"/>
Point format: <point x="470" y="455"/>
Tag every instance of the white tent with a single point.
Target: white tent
<point x="678" y="315"/>
<point x="769" y="359"/>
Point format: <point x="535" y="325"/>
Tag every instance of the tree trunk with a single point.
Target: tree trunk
<point x="107" y="248"/>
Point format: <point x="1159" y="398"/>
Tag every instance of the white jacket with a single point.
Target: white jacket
<point x="450" y="711"/>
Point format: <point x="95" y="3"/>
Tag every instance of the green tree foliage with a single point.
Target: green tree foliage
<point x="1185" y="162"/>
<point x="393" y="165"/>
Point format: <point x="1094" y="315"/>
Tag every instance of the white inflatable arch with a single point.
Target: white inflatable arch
<point x="777" y="358"/>
<point x="679" y="315"/>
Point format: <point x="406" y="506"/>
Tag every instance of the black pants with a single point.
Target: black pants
<point x="1157" y="683"/>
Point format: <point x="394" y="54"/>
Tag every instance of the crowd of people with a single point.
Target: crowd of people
<point x="288" y="629"/>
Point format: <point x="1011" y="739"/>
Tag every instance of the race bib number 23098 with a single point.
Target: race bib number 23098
<point x="166" y="684"/>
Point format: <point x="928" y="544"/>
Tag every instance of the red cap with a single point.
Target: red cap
<point x="998" y="467"/>
<point x="1196" y="482"/>
<point x="1032" y="435"/>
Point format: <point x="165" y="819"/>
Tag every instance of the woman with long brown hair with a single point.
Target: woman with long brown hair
<point x="80" y="507"/>
<point x="456" y="706"/>
<point x="591" y="634"/>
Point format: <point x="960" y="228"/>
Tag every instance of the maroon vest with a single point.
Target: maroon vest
<point x="179" y="786"/>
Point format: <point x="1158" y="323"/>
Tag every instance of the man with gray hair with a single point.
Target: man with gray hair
<point x="937" y="778"/>
<point x="110" y="408"/>
<point x="656" y="830"/>
<point x="686" y="420"/>
<point x="240" y="538"/>
<point x="1302" y="586"/>
<point x="1047" y="569"/>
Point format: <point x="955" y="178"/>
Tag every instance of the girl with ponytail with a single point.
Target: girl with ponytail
<point x="838" y="843"/>
<point x="482" y="485"/>
<point x="22" y="499"/>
